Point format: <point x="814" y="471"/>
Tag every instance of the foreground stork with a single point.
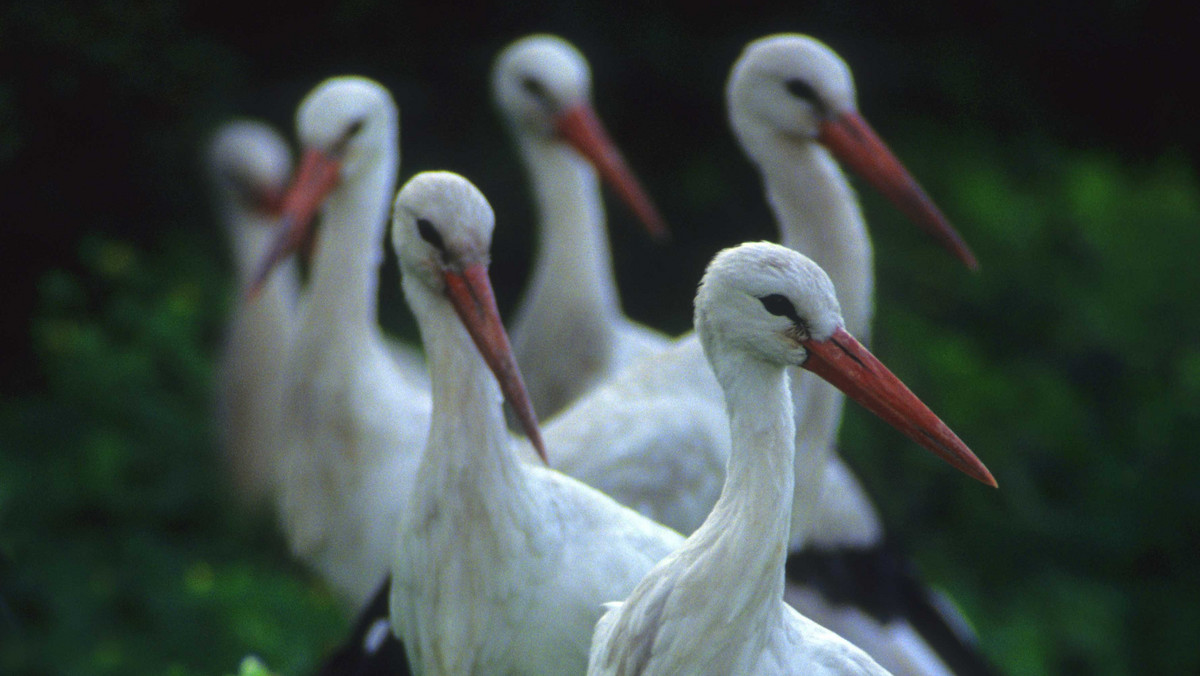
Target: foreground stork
<point x="354" y="421"/>
<point x="791" y="106"/>
<point x="715" y="606"/>
<point x="501" y="565"/>
<point x="570" y="332"/>
<point x="250" y="164"/>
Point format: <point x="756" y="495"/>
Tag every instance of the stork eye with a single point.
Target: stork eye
<point x="351" y="130"/>
<point x="804" y="91"/>
<point x="535" y="88"/>
<point x="430" y="234"/>
<point x="780" y="306"/>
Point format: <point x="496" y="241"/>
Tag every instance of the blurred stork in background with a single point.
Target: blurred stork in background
<point x="250" y="164"/>
<point x="570" y="333"/>
<point x="354" y="419"/>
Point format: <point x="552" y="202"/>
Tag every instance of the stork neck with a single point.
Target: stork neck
<point x="819" y="216"/>
<point x="349" y="250"/>
<point x="818" y="416"/>
<point x="745" y="536"/>
<point x="573" y="265"/>
<point x="469" y="454"/>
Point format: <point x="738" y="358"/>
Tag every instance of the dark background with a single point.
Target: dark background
<point x="1060" y="140"/>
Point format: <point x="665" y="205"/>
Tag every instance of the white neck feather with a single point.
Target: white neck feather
<point x="468" y="456"/>
<point x="573" y="266"/>
<point x="743" y="543"/>
<point x="349" y="249"/>
<point x="819" y="216"/>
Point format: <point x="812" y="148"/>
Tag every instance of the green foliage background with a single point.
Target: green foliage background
<point x="1070" y="362"/>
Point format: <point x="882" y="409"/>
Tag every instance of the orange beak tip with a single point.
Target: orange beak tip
<point x="991" y="481"/>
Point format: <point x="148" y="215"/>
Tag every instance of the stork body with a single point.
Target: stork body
<point x="250" y="164"/>
<point x="354" y="421"/>
<point x="791" y="105"/>
<point x="716" y="605"/>
<point x="501" y="565"/>
<point x="570" y="333"/>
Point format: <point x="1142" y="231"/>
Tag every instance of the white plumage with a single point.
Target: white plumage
<point x="501" y="566"/>
<point x="661" y="424"/>
<point x="818" y="214"/>
<point x="570" y="333"/>
<point x="715" y="606"/>
<point x="354" y="421"/>
<point x="250" y="165"/>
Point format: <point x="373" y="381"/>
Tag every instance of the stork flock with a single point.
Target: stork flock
<point x="678" y="507"/>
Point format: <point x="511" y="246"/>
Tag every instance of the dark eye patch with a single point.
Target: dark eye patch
<point x="535" y="88"/>
<point x="348" y="133"/>
<point x="780" y="306"/>
<point x="430" y="234"/>
<point x="805" y="92"/>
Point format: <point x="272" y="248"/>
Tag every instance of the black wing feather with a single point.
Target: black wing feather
<point x="372" y="649"/>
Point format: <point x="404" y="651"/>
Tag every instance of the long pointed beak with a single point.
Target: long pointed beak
<point x="471" y="295"/>
<point x="847" y="365"/>
<point x="580" y="127"/>
<point x="318" y="174"/>
<point x="854" y="143"/>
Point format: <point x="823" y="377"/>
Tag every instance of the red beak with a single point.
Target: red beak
<point x="471" y="295"/>
<point x="855" y="144"/>
<point x="580" y="127"/>
<point x="847" y="365"/>
<point x="317" y="176"/>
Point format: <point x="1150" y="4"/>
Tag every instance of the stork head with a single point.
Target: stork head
<point x="542" y="86"/>
<point x="536" y="79"/>
<point x="348" y="120"/>
<point x="787" y="85"/>
<point x="770" y="303"/>
<point x="792" y="89"/>
<point x="442" y="231"/>
<point x="441" y="223"/>
<point x="347" y="126"/>
<point x="765" y="300"/>
<point x="250" y="163"/>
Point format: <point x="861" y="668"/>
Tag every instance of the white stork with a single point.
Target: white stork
<point x="665" y="440"/>
<point x="501" y="565"/>
<point x="354" y="421"/>
<point x="250" y="165"/>
<point x="715" y="605"/>
<point x="569" y="333"/>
